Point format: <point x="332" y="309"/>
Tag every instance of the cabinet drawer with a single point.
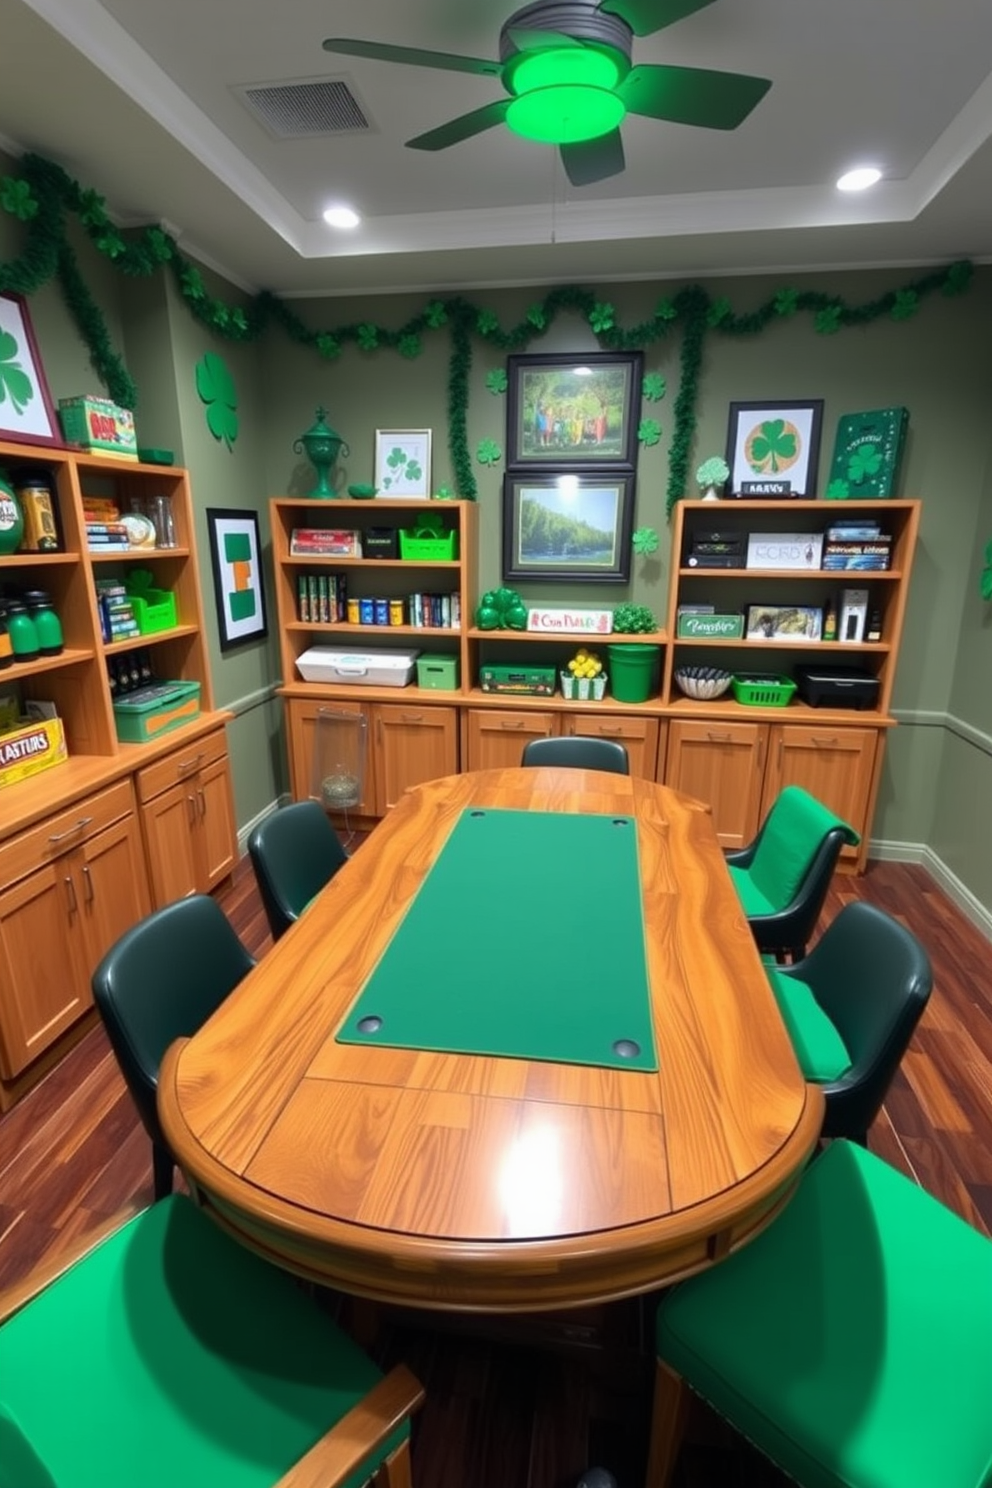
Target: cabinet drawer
<point x="182" y="763"/>
<point x="66" y="829"/>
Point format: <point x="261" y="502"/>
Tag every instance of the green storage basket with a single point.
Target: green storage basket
<point x="760" y="691"/>
<point x="428" y="544"/>
<point x="156" y="611"/>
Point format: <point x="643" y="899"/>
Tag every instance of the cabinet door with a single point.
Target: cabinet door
<point x="411" y="745"/>
<point x="217" y="837"/>
<point x="43" y="970"/>
<point x="836" y="765"/>
<point x="301" y="725"/>
<point x="720" y="764"/>
<point x="639" y="736"/>
<point x="495" y="737"/>
<point x="109" y="874"/>
<point x="170" y="824"/>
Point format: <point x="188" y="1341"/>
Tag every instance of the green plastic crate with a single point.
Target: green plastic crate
<point x="428" y="544"/>
<point x="763" y="691"/>
<point x="154" y="610"/>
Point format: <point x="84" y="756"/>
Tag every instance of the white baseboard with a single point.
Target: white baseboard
<point x="958" y="893"/>
<point x="245" y="832"/>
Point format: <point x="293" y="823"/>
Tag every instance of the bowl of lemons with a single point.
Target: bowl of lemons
<point x="584" y="677"/>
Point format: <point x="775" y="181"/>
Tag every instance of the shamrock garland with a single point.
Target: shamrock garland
<point x="987" y="573"/>
<point x="43" y="195"/>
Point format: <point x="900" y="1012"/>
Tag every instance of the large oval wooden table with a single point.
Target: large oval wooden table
<point x="488" y="1184"/>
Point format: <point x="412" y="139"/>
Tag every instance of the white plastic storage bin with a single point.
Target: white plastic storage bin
<point x="362" y="668"/>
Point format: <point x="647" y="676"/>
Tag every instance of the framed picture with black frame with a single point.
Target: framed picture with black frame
<point x="567" y="409"/>
<point x="235" y="554"/>
<point x="568" y="525"/>
<point x="773" y="448"/>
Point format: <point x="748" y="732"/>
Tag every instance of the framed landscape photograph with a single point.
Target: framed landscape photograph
<point x="403" y="462"/>
<point x="235" y="556"/>
<point x="567" y="409"/>
<point x="773" y="448"/>
<point x="568" y="525"/>
<point x="26" y="409"/>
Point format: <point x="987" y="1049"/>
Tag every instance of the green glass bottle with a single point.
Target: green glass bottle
<point x="11" y="517"/>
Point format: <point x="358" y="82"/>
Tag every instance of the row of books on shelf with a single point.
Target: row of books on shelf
<point x="323" y="599"/>
<point x="844" y="545"/>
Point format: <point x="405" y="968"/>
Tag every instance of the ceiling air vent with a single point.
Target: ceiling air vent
<point x="297" y="110"/>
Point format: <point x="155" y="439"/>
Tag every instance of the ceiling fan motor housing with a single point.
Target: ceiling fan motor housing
<point x="582" y="21"/>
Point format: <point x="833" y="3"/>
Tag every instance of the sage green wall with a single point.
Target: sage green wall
<point x="937" y="364"/>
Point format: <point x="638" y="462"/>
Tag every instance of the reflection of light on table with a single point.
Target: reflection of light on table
<point x="530" y="1183"/>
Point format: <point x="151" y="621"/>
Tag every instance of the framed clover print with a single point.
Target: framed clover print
<point x="773" y="448"/>
<point x="403" y="463"/>
<point x="26" y="410"/>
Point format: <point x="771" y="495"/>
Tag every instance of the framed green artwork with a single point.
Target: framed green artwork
<point x="26" y="409"/>
<point x="235" y="556"/>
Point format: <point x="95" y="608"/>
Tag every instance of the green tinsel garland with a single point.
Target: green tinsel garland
<point x="43" y="195"/>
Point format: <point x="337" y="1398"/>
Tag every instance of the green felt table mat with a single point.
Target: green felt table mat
<point x="525" y="941"/>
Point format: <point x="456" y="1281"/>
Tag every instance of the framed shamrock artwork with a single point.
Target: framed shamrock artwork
<point x="26" y="409"/>
<point x="773" y="448"/>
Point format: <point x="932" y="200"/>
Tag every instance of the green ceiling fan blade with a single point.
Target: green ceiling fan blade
<point x="412" y="56"/>
<point x="692" y="95"/>
<point x="462" y="128"/>
<point x="593" y="160"/>
<point x="647" y="16"/>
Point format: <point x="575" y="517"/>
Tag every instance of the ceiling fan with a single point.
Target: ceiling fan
<point x="566" y="67"/>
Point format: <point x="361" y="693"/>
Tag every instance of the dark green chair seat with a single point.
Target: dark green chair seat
<point x="159" y="982"/>
<point x="782" y="877"/>
<point x="576" y="752"/>
<point x="295" y="851"/>
<point x="171" y="1357"/>
<point x="851" y="1007"/>
<point x="851" y="1341"/>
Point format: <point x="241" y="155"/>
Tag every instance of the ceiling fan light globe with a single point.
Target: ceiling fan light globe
<point x="565" y="115"/>
<point x="561" y="66"/>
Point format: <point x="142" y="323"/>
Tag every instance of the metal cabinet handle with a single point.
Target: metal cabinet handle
<point x="186" y="767"/>
<point x="716" y="737"/>
<point x="83" y="821"/>
<point x="203" y="803"/>
<point x="71" y="889"/>
<point x="823" y="743"/>
<point x="611" y="733"/>
<point x="191" y="810"/>
<point x="505" y="724"/>
<point x="413" y="717"/>
<point x="88" y="894"/>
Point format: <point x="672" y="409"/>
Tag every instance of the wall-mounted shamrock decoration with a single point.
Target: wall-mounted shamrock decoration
<point x="787" y="302"/>
<point x="17" y="198"/>
<point x="827" y="321"/>
<point x="649" y="431"/>
<point x="15" y="383"/>
<point x="653" y="387"/>
<point x="496" y="380"/>
<point x="409" y="346"/>
<point x="488" y="452"/>
<point x="215" y="386"/>
<point x="601" y="317"/>
<point x="905" y="304"/>
<point x="987" y="573"/>
<point x="645" y="541"/>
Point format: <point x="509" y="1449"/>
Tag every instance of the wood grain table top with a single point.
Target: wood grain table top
<point x="479" y="1183"/>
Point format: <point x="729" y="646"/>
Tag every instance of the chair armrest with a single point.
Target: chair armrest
<point x="20" y="1293"/>
<point x="359" y="1434"/>
<point x="740" y="857"/>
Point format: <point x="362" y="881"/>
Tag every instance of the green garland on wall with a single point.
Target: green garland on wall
<point x="43" y="195"/>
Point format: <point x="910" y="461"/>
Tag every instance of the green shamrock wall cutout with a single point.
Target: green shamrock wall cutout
<point x="488" y="452"/>
<point x="215" y="386"/>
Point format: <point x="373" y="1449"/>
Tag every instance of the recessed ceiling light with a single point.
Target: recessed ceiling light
<point x="860" y="179"/>
<point x="341" y="217"/>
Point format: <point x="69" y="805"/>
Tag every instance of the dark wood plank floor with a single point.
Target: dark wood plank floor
<point x="532" y="1410"/>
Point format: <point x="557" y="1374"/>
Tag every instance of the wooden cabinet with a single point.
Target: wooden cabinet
<point x="187" y="818"/>
<point x="72" y="886"/>
<point x="834" y="764"/>
<point x="411" y="743"/>
<point x="639" y="735"/>
<point x="495" y="737"/>
<point x="721" y="764"/>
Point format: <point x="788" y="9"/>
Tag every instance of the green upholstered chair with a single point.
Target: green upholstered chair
<point x="782" y="877"/>
<point x="169" y="1356"/>
<point x="851" y="1341"/>
<point x="851" y="1007"/>
<point x="576" y="752"/>
<point x="159" y="982"/>
<point x="295" y="851"/>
